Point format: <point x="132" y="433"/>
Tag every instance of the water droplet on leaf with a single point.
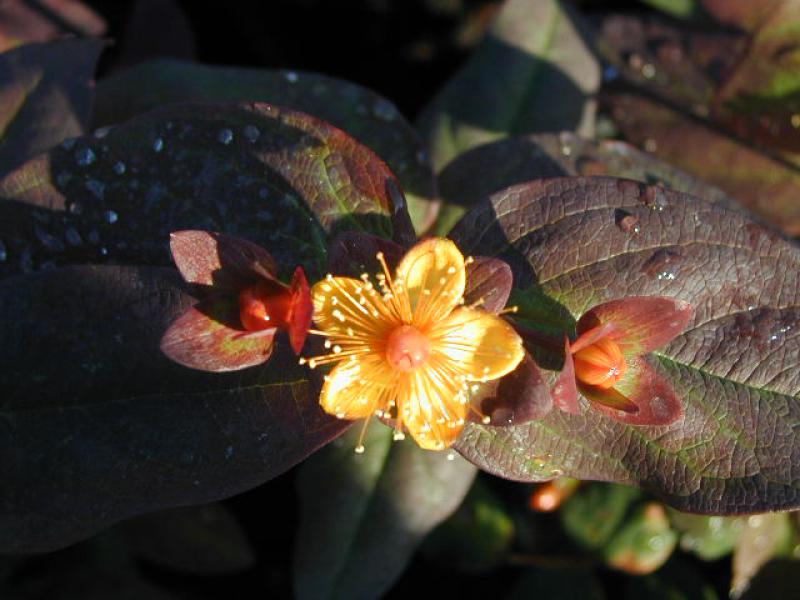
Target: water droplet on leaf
<point x="111" y="217"/>
<point x="97" y="188"/>
<point x="85" y="157"/>
<point x="251" y="133"/>
<point x="119" y="168"/>
<point x="158" y="144"/>
<point x="384" y="110"/>
<point x="225" y="136"/>
<point x="292" y="77"/>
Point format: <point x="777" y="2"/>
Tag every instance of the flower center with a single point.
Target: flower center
<point x="600" y="364"/>
<point x="406" y="348"/>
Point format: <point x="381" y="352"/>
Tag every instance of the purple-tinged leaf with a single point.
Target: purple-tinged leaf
<point x="277" y="177"/>
<point x="353" y="252"/>
<point x="737" y="448"/>
<point x="46" y="95"/>
<point x="99" y="426"/>
<point x="223" y="261"/>
<point x="517" y="398"/>
<point x="490" y="281"/>
<point x="484" y="170"/>
<point x="22" y="23"/>
<point x="210" y="337"/>
<point x="365" y="115"/>
<point x="641" y="324"/>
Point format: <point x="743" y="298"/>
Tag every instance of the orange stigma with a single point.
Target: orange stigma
<point x="407" y="348"/>
<point x="600" y="364"/>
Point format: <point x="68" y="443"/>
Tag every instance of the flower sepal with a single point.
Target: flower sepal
<point x="243" y="305"/>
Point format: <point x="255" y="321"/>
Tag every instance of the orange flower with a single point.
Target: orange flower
<point x="409" y="349"/>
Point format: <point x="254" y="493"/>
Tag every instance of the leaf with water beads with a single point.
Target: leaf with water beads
<point x="731" y="369"/>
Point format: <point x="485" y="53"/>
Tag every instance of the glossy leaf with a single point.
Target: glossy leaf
<point x="534" y="51"/>
<point x="368" y="117"/>
<point x="489" y="168"/>
<point x="279" y="178"/>
<point x="353" y="253"/>
<point x="732" y="369"/>
<point x="363" y="515"/>
<point x="45" y="97"/>
<point x="489" y="281"/>
<point x="199" y="540"/>
<point x="99" y="426"/>
<point x="517" y="398"/>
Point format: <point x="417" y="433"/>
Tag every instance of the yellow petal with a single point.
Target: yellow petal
<point x="343" y="305"/>
<point x="477" y="344"/>
<point x="356" y="389"/>
<point x="432" y="406"/>
<point x="433" y="274"/>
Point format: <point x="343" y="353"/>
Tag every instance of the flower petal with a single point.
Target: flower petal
<point x="642" y="397"/>
<point x="207" y="337"/>
<point x="226" y="262"/>
<point x="489" y="280"/>
<point x="476" y="344"/>
<point x="565" y="392"/>
<point x="641" y="323"/>
<point x="517" y="398"/>
<point x="355" y="390"/>
<point x="301" y="310"/>
<point x="432" y="406"/>
<point x="434" y="275"/>
<point x="354" y="252"/>
<point x="338" y="310"/>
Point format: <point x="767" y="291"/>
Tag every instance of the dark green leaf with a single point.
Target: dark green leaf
<point x="281" y="178"/>
<point x="595" y="512"/>
<point x="45" y="97"/>
<point x="97" y="425"/>
<point x="737" y="448"/>
<point x="644" y="542"/>
<point x="534" y="52"/>
<point x="368" y="117"/>
<point x="476" y="537"/>
<point x="362" y="516"/>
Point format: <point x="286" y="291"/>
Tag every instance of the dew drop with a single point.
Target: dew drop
<point x="292" y="76"/>
<point x="85" y="157"/>
<point x="102" y="132"/>
<point x="3" y="252"/>
<point x="384" y="110"/>
<point x="104" y="251"/>
<point x="627" y="222"/>
<point x="47" y="240"/>
<point x="662" y="265"/>
<point x="97" y="188"/>
<point x="225" y="136"/>
<point x="111" y="217"/>
<point x="650" y="145"/>
<point x="73" y="237"/>
<point x="251" y="133"/>
<point x="158" y="144"/>
<point x="119" y="168"/>
<point x="68" y="144"/>
<point x="76" y="208"/>
<point x="610" y="73"/>
<point x="649" y="71"/>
